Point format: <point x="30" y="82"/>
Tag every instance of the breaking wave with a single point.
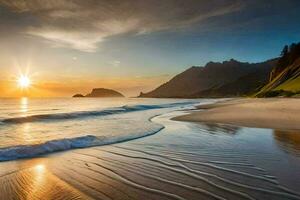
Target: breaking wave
<point x="82" y="114"/>
<point x="29" y="151"/>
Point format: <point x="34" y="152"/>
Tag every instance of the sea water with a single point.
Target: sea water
<point x="31" y="127"/>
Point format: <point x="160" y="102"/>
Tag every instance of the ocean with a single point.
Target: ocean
<point x="31" y="127"/>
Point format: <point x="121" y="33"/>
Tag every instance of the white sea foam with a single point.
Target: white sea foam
<point x="23" y="137"/>
<point x="82" y="114"/>
<point x="27" y="151"/>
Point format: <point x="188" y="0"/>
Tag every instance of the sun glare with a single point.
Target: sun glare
<point x="23" y="81"/>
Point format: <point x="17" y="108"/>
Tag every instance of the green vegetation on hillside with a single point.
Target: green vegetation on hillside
<point x="289" y="55"/>
<point x="285" y="76"/>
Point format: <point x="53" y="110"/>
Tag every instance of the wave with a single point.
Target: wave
<point x="82" y="114"/>
<point x="29" y="151"/>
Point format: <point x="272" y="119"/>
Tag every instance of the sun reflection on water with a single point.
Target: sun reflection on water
<point x="27" y="136"/>
<point x="38" y="181"/>
<point x="40" y="168"/>
<point x="24" y="105"/>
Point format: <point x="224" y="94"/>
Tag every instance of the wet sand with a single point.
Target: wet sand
<point x="30" y="179"/>
<point x="184" y="161"/>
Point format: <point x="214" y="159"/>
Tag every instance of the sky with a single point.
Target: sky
<point x="72" y="46"/>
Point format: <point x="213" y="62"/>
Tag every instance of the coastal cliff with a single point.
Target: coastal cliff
<point x="284" y="80"/>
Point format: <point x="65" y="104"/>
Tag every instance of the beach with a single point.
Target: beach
<point x="209" y="157"/>
<point x="149" y="100"/>
<point x="274" y="113"/>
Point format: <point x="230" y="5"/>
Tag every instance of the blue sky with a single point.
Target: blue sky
<point x="144" y="42"/>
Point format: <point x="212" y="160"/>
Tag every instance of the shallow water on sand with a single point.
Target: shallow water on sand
<point x="182" y="161"/>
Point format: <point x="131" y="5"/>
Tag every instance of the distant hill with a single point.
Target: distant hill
<point x="216" y="79"/>
<point x="101" y="92"/>
<point x="78" y="95"/>
<point x="285" y="77"/>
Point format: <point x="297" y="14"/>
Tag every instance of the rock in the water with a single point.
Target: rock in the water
<point x="102" y="92"/>
<point x="78" y="95"/>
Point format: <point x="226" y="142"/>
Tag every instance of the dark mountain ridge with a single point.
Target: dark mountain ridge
<point x="215" y="79"/>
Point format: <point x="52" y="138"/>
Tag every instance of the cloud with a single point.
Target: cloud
<point x="116" y="63"/>
<point x="82" y="25"/>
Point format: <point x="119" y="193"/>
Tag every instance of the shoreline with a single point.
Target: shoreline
<point x="66" y="144"/>
<point x="273" y="113"/>
<point x="198" y="164"/>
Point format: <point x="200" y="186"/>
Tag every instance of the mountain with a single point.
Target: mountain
<point x="216" y="79"/>
<point x="285" y="77"/>
<point x="244" y="85"/>
<point x="101" y="92"/>
<point x="181" y="85"/>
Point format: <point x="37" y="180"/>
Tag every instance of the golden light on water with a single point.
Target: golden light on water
<point x="24" y="104"/>
<point x="39" y="168"/>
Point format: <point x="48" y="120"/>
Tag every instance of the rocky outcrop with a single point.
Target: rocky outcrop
<point x="78" y="95"/>
<point x="101" y="92"/>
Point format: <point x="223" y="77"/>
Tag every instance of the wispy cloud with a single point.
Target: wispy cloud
<point x="115" y="63"/>
<point x="82" y="25"/>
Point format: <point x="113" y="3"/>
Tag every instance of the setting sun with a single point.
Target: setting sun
<point x="23" y="81"/>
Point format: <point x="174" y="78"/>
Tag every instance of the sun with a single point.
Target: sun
<point x="24" y="81"/>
